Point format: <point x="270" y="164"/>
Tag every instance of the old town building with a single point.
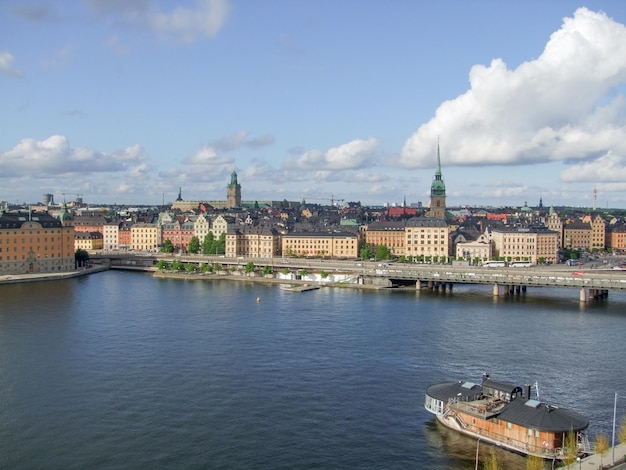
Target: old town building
<point x="145" y="237"/>
<point x="525" y="244"/>
<point x="427" y="238"/>
<point x="252" y="242"/>
<point x="321" y="244"/>
<point x="387" y="233"/>
<point x="35" y="242"/>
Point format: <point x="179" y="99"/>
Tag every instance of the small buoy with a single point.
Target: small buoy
<point x="258" y="299"/>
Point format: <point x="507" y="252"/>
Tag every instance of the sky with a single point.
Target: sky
<point x="130" y="101"/>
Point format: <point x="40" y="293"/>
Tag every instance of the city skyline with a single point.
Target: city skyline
<point x="126" y="102"/>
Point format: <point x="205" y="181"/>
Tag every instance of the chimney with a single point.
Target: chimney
<point x="527" y="388"/>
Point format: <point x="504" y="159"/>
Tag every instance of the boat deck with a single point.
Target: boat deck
<point x="484" y="408"/>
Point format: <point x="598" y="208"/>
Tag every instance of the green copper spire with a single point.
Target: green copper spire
<point x="438" y="188"/>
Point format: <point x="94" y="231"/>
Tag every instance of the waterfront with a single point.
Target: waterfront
<point x="119" y="369"/>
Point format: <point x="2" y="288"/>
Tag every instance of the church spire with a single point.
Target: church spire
<point x="438" y="191"/>
<point x="438" y="172"/>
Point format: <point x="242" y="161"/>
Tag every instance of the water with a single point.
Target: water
<point x="120" y="370"/>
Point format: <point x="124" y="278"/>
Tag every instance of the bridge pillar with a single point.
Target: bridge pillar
<point x="583" y="294"/>
<point x="431" y="284"/>
<point x="443" y="287"/>
<point x="496" y="290"/>
<point x="418" y="285"/>
<point x="450" y="286"/>
<point x="523" y="288"/>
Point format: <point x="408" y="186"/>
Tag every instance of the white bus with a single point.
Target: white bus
<point x="494" y="264"/>
<point x="520" y="264"/>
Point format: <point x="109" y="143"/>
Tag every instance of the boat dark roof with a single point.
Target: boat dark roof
<point x="543" y="417"/>
<point x="446" y="390"/>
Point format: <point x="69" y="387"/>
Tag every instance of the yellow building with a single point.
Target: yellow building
<point x="526" y="244"/>
<point x="88" y="241"/>
<point x="427" y="238"/>
<point x="35" y="242"/>
<point x="145" y="237"/>
<point x="252" y="242"/>
<point x="321" y="245"/>
<point x="389" y="234"/>
<point x="598" y="234"/>
<point x="577" y="235"/>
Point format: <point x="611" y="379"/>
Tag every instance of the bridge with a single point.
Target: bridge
<point x="590" y="283"/>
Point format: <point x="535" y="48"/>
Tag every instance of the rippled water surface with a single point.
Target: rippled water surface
<point x="120" y="370"/>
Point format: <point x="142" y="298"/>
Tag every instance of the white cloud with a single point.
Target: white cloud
<point x="208" y="157"/>
<point x="189" y="24"/>
<point x="563" y="106"/>
<point x="241" y="139"/>
<point x="355" y="154"/>
<point x="54" y="156"/>
<point x="609" y="167"/>
<point x="6" y="65"/>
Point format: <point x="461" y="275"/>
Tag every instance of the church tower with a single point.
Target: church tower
<point x="438" y="192"/>
<point x="233" y="192"/>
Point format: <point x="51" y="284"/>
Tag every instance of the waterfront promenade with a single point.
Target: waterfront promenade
<point x="596" y="461"/>
<point x="589" y="282"/>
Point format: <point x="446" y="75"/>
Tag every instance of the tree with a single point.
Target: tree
<point x="194" y="245"/>
<point x="167" y="247"/>
<point x="621" y="435"/>
<point x="177" y="265"/>
<point x="570" y="448"/>
<point x="304" y="272"/>
<point x="534" y="462"/>
<point x="267" y="270"/>
<point x="492" y="461"/>
<point x="324" y="274"/>
<point x="208" y="244"/>
<point x="81" y="257"/>
<point x="161" y="265"/>
<point x="250" y="267"/>
<point x="382" y="252"/>
<point x="190" y="267"/>
<point x="285" y="271"/>
<point x="366" y="252"/>
<point x="206" y="268"/>
<point x="601" y="445"/>
<point x="221" y="244"/>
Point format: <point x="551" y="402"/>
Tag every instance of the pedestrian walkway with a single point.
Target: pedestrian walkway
<point x="596" y="461"/>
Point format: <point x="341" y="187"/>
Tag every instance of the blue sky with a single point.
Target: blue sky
<point x="126" y="101"/>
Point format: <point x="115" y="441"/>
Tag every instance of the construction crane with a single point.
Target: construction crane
<point x="332" y="199"/>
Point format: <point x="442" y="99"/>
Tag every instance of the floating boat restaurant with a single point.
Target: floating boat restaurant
<point x="505" y="415"/>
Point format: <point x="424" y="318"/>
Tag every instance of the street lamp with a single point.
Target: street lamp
<point x="613" y="442"/>
<point x="580" y="462"/>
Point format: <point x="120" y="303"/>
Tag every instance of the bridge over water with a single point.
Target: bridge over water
<point x="590" y="283"/>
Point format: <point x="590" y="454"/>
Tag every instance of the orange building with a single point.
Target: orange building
<point x="321" y="244"/>
<point x="389" y="234"/>
<point x="35" y="242"/>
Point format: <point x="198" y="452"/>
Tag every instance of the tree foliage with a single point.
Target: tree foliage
<point x="167" y="247"/>
<point x="382" y="252"/>
<point x="570" y="448"/>
<point x="81" y="257"/>
<point x="194" y="245"/>
<point x="161" y="265"/>
<point x="250" y="267"/>
<point x="621" y="435"/>
<point x="492" y="461"/>
<point x="601" y="445"/>
<point x="534" y="462"/>
<point x="177" y="265"/>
